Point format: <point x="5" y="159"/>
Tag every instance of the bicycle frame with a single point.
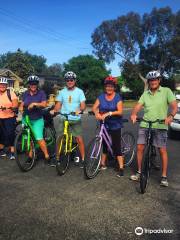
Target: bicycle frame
<point x="68" y="136"/>
<point x="103" y="135"/>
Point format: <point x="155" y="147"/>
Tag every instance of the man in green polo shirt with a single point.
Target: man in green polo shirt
<point x="155" y="102"/>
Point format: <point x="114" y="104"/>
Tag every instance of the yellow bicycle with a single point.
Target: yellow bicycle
<point x="66" y="147"/>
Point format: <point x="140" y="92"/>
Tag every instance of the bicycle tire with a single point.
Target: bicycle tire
<point x="22" y="155"/>
<point x="91" y="166"/>
<point x="62" y="158"/>
<point x="50" y="139"/>
<point x="128" y="148"/>
<point x="145" y="169"/>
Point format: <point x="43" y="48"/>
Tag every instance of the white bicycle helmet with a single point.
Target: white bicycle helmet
<point x="3" y="80"/>
<point x="70" y="75"/>
<point x="33" y="78"/>
<point x="153" y="75"/>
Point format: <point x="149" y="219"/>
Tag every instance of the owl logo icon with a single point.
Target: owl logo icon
<point x="70" y="99"/>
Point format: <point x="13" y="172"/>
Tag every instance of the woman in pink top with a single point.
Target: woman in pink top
<point x="7" y="118"/>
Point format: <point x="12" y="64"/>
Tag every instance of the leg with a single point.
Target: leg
<point x="120" y="160"/>
<point x="80" y="142"/>
<point x="43" y="147"/>
<point x="140" y="151"/>
<point x="164" y="157"/>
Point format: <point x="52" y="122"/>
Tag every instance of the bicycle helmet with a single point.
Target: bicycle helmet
<point x="153" y="75"/>
<point x="110" y="80"/>
<point x="3" y="80"/>
<point x="33" y="79"/>
<point x="70" y="75"/>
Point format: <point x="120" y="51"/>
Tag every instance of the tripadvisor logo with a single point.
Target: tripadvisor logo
<point x="139" y="231"/>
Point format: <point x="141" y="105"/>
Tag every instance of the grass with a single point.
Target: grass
<point x="129" y="103"/>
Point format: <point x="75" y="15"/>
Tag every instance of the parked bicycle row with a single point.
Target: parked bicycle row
<point x="58" y="133"/>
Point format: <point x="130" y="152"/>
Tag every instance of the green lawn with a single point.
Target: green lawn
<point x="129" y="103"/>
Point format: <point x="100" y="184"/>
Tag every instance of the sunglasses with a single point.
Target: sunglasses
<point x="70" y="80"/>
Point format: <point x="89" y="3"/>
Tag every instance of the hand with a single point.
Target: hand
<point x="77" y="112"/>
<point x="21" y="109"/>
<point x="52" y="112"/>
<point x="168" y="120"/>
<point x="32" y="105"/>
<point x="133" y="118"/>
<point x="98" y="116"/>
<point x="105" y="115"/>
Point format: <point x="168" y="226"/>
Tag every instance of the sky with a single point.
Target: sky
<point x="60" y="30"/>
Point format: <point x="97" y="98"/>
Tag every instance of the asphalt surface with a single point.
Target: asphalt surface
<point x="41" y="205"/>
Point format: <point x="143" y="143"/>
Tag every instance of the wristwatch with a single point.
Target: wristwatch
<point x="171" y="115"/>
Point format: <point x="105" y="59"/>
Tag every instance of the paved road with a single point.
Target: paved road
<point x="41" y="205"/>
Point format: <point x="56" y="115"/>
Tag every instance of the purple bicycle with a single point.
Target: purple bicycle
<point x="94" y="150"/>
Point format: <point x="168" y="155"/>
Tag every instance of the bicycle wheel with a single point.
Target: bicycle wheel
<point x="145" y="169"/>
<point x="128" y="147"/>
<point x="50" y="139"/>
<point x="62" y="157"/>
<point x="93" y="158"/>
<point x="25" y="156"/>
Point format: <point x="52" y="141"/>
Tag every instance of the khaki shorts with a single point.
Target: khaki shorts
<point x="75" y="127"/>
<point x="159" y="137"/>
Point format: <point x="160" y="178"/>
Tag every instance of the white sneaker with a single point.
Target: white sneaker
<point x="135" y="177"/>
<point x="164" y="182"/>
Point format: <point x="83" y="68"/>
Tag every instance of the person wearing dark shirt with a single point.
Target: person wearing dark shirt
<point x="109" y="106"/>
<point x="32" y="102"/>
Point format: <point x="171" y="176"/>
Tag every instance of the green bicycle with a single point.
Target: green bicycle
<point x="66" y="147"/>
<point x="26" y="147"/>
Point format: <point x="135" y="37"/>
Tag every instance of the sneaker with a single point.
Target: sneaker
<point x="81" y="164"/>
<point x="120" y="173"/>
<point x="2" y="153"/>
<point x="135" y="177"/>
<point x="164" y="182"/>
<point x="53" y="162"/>
<point x="77" y="160"/>
<point x="12" y="156"/>
<point x="103" y="167"/>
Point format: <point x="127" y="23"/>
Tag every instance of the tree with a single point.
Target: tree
<point x="55" y="69"/>
<point x="144" y="43"/>
<point x="23" y="63"/>
<point x="90" y="73"/>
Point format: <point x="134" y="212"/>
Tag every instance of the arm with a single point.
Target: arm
<point x="135" y="110"/>
<point x="174" y="107"/>
<point x="15" y="103"/>
<point x="82" y="106"/>
<point x="57" y="106"/>
<point x="42" y="104"/>
<point x="95" y="109"/>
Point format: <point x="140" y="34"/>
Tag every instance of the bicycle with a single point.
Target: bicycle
<point x="66" y="146"/>
<point x="26" y="146"/>
<point x="94" y="151"/>
<point x="149" y="155"/>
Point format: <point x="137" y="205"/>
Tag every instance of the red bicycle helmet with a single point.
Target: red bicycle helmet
<point x="110" y="80"/>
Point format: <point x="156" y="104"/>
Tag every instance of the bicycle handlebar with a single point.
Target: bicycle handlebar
<point x="9" y="108"/>
<point x="67" y="114"/>
<point x="161" y="121"/>
<point x="92" y="113"/>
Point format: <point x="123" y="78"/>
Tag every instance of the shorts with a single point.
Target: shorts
<point x="159" y="137"/>
<point x="75" y="127"/>
<point x="116" y="142"/>
<point x="7" y="131"/>
<point x="38" y="128"/>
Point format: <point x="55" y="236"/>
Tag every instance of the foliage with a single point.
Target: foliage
<point x="90" y="72"/>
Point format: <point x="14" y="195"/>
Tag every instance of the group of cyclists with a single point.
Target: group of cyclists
<point x="108" y="106"/>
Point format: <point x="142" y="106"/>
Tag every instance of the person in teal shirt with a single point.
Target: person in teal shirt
<point x="155" y="101"/>
<point x="71" y="99"/>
